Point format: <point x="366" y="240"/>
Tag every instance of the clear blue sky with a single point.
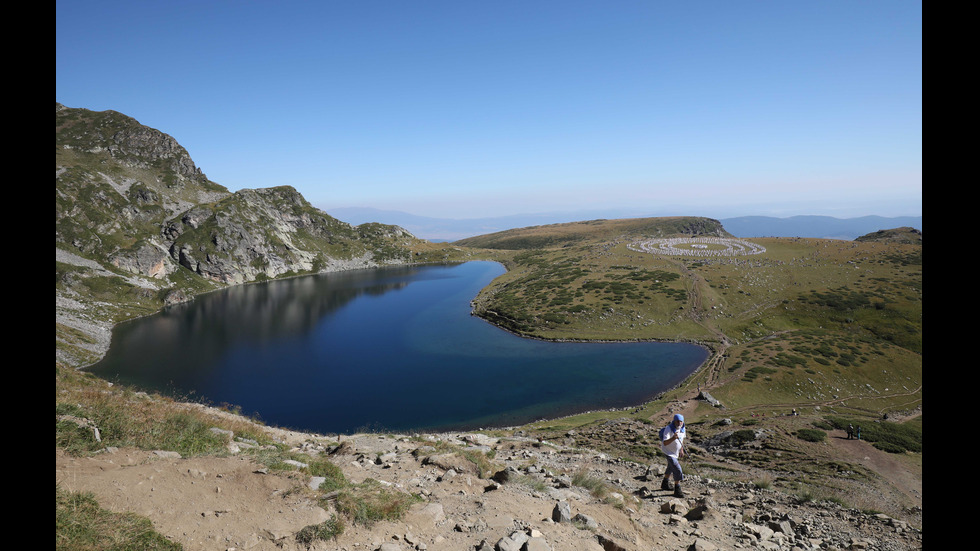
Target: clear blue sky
<point x="465" y="109"/>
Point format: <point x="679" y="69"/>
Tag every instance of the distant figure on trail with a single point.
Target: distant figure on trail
<point x="672" y="444"/>
<point x="850" y="432"/>
<point x="859" y="432"/>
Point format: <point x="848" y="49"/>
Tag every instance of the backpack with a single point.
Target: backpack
<point x="664" y="434"/>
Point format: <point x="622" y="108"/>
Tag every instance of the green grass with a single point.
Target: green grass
<point x="569" y="234"/>
<point x="811" y="435"/>
<point x="370" y="502"/>
<point x="335" y="479"/>
<point x="884" y="435"/>
<point x="535" y="484"/>
<point x="326" y="530"/>
<point x="580" y="293"/>
<point x="812" y="366"/>
<point x="589" y="289"/>
<point x="482" y="461"/>
<point x="125" y="418"/>
<point x="82" y="525"/>
<point x="763" y="483"/>
<point x="596" y="486"/>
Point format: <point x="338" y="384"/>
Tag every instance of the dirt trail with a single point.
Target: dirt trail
<point x="891" y="467"/>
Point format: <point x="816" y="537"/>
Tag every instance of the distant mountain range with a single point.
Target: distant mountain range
<point x="815" y="226"/>
<point x="450" y="229"/>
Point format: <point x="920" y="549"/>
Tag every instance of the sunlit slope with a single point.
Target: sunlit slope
<point x="592" y="291"/>
<point x="602" y="289"/>
<point x="573" y="233"/>
<point x="835" y="370"/>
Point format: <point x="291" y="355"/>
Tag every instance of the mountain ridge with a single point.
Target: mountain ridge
<point x="454" y="229"/>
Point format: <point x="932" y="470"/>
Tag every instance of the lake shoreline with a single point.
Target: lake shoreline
<point x="563" y="398"/>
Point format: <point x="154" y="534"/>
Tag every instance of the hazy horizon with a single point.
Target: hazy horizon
<point x="449" y="109"/>
<point x="453" y="229"/>
<point x="612" y="212"/>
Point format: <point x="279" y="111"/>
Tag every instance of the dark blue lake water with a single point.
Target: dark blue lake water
<point x="392" y="349"/>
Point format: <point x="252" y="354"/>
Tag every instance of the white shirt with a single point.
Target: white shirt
<point x="674" y="447"/>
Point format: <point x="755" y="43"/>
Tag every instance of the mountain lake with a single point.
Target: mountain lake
<point x="390" y="349"/>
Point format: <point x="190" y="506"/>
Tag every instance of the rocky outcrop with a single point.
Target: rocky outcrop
<point x="131" y="196"/>
<point x="704" y="396"/>
<point x="123" y="139"/>
<point x="266" y="233"/>
<point x="146" y="258"/>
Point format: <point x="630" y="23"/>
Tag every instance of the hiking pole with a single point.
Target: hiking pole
<point x="696" y="470"/>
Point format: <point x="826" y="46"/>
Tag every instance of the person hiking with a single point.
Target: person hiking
<point x="850" y="432"/>
<point x="672" y="444"/>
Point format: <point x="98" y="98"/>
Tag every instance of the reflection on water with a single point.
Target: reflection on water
<point x="393" y="348"/>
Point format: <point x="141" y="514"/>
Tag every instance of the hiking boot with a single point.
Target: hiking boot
<point x="665" y="485"/>
<point x="677" y="490"/>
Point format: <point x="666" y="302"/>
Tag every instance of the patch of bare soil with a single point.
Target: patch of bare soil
<point x="900" y="474"/>
<point x="203" y="503"/>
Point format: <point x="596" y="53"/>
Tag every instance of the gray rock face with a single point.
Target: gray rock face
<point x="265" y="233"/>
<point x="132" y="196"/>
<point x="514" y="542"/>
<point x="149" y="259"/>
<point x="703" y="395"/>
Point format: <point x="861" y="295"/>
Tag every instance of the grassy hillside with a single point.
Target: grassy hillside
<point x="573" y="233"/>
<point x="600" y="289"/>
<point x="809" y="324"/>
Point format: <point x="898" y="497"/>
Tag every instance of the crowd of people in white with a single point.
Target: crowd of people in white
<point x="697" y="246"/>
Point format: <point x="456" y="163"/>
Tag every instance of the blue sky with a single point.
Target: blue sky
<point x="462" y="109"/>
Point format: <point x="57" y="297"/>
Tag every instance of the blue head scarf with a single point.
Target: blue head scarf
<point x="678" y="417"/>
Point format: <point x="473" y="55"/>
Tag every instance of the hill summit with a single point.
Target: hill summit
<point x="570" y="233"/>
<point x="907" y="235"/>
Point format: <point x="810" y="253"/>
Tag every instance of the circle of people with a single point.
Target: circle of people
<point x="697" y="246"/>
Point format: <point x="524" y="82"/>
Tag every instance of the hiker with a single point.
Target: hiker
<point x="859" y="432"/>
<point x="850" y="432"/>
<point x="672" y="444"/>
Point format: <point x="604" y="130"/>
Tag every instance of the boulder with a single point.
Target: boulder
<point x="562" y="512"/>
